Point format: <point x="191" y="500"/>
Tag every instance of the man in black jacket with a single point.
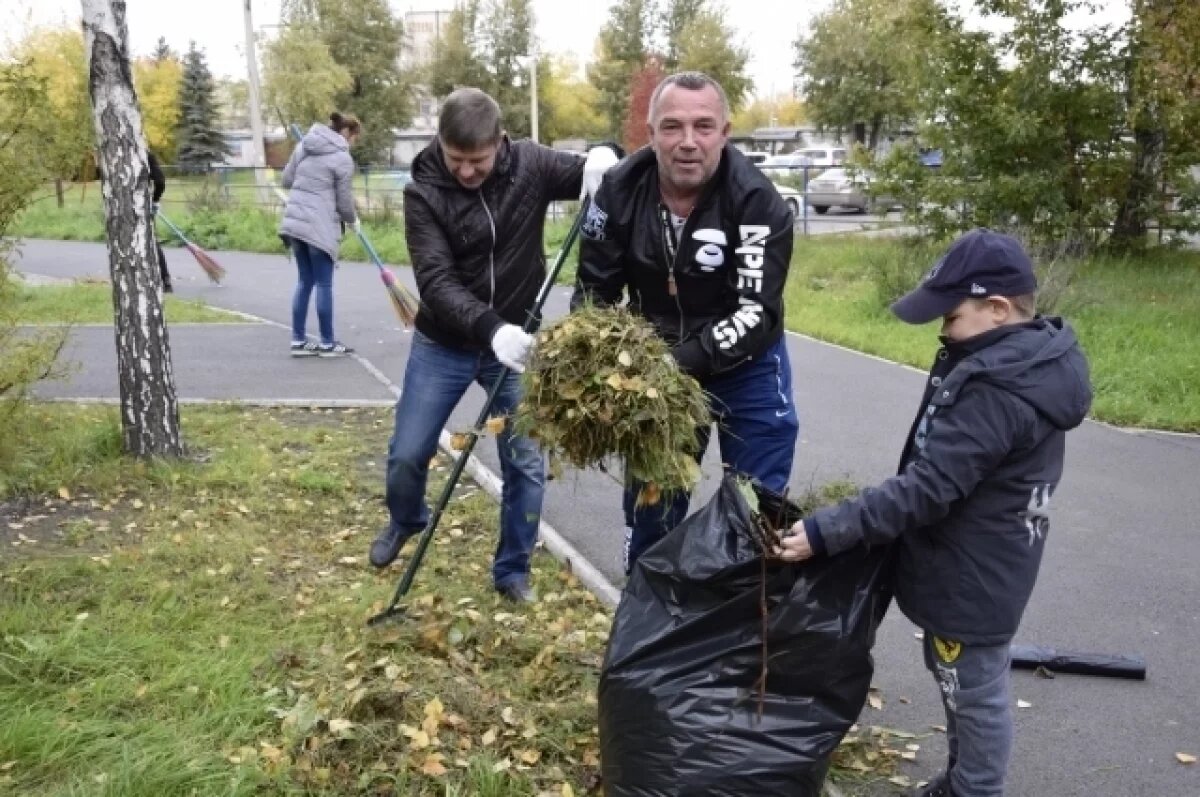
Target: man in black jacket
<point x="700" y="241"/>
<point x="474" y="215"/>
<point x="969" y="510"/>
<point x="160" y="185"/>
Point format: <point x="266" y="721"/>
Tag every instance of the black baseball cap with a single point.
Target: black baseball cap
<point x="979" y="264"/>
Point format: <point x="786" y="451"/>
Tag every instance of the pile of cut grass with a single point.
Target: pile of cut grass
<point x="601" y="384"/>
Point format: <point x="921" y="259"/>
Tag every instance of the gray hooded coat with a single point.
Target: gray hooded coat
<point x="319" y="176"/>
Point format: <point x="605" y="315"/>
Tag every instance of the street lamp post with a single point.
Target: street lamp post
<point x="533" y="93"/>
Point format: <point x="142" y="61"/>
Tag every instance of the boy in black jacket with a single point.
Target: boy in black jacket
<point x="969" y="507"/>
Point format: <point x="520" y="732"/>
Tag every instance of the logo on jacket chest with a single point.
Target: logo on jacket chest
<point x="710" y="255"/>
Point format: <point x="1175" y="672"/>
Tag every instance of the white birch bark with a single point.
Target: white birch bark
<point x="149" y="410"/>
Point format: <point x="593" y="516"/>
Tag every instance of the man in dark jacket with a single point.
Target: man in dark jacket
<point x="160" y="185"/>
<point x="474" y="215"/>
<point x="700" y="241"/>
<point x="969" y="508"/>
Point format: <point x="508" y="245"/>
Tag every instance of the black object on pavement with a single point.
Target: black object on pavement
<point x="1030" y="657"/>
<point x="678" y="697"/>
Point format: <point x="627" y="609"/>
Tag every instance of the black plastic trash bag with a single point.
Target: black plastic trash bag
<point x="678" y="698"/>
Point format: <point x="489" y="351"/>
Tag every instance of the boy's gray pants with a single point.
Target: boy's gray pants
<point x="974" y="680"/>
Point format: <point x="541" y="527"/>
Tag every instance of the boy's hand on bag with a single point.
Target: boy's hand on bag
<point x="511" y="344"/>
<point x="795" y="547"/>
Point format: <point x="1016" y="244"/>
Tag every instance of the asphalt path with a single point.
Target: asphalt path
<point x="1117" y="576"/>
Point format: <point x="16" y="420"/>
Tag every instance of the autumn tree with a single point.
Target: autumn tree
<point x="149" y="409"/>
<point x="200" y="143"/>
<point x="634" y="132"/>
<point x="158" y="81"/>
<point x="569" y="103"/>
<point x="459" y="59"/>
<point x="55" y="57"/>
<point x="782" y="110"/>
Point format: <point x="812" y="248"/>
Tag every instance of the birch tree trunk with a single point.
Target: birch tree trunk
<point x="149" y="410"/>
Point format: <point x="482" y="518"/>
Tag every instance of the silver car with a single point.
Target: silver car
<point x="843" y="188"/>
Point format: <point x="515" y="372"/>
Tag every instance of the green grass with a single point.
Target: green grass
<point x="1138" y="320"/>
<point x="198" y="627"/>
<point x="92" y="304"/>
<point x="213" y="222"/>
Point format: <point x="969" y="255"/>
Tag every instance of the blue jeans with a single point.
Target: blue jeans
<point x="757" y="428"/>
<point x="315" y="269"/>
<point x="974" y="681"/>
<point x="435" y="379"/>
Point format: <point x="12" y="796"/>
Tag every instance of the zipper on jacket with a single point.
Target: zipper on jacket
<point x="672" y="253"/>
<point x="491" y="252"/>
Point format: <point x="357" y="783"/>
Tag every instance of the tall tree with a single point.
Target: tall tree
<point x="1162" y="95"/>
<point x="460" y="52"/>
<point x="509" y="44"/>
<point x="706" y="45"/>
<point x="55" y="56"/>
<point x="364" y="36"/>
<point x="163" y="51"/>
<point x="782" y="110"/>
<point x="858" y="63"/>
<point x="673" y="22"/>
<point x="301" y="80"/>
<point x="200" y="143"/>
<point x="149" y="410"/>
<point x="158" y="81"/>
<point x="621" y="51"/>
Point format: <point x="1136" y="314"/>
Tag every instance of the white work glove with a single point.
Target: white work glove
<point x="511" y="345"/>
<point x="599" y="160"/>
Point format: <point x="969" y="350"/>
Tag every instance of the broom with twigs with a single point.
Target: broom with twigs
<point x="403" y="302"/>
<point x="211" y="267"/>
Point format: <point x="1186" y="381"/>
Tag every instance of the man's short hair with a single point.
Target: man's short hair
<point x="470" y="119"/>
<point x="692" y="81"/>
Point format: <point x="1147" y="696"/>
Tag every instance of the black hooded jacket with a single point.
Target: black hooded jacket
<point x="478" y="254"/>
<point x="971" y="501"/>
<point x="730" y="266"/>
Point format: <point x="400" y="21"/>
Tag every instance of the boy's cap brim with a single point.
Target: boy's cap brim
<point x="921" y="305"/>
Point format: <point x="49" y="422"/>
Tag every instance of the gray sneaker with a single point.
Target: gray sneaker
<point x="305" y="348"/>
<point x="518" y="591"/>
<point x="337" y="349"/>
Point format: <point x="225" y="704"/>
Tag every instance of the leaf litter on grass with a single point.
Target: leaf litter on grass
<point x="225" y="636"/>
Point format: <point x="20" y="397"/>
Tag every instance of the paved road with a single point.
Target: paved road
<point x="1117" y="575"/>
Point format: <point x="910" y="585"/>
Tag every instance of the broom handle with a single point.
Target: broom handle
<point x="362" y="237"/>
<point x="531" y="325"/>
<point x="174" y="229"/>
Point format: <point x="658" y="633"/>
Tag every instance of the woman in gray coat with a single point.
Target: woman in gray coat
<point x="321" y="201"/>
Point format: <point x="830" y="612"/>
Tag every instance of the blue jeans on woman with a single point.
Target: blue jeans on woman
<point x="315" y="270"/>
<point x="757" y="428"/>
<point x="435" y="379"/>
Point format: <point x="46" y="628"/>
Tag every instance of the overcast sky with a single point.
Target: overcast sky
<point x="766" y="28"/>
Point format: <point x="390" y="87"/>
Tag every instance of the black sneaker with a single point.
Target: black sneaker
<point x="334" y="350"/>
<point x="938" y="786"/>
<point x="518" y="591"/>
<point x="386" y="546"/>
<point x="304" y="348"/>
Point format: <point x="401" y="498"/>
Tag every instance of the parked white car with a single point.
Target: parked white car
<point x="791" y="197"/>
<point x="842" y="188"/>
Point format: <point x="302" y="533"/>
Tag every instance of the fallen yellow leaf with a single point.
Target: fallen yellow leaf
<point x="433" y="765"/>
<point x="64" y="493"/>
<point x="1185" y="758"/>
<point x="567" y="791"/>
<point x="495" y="424"/>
